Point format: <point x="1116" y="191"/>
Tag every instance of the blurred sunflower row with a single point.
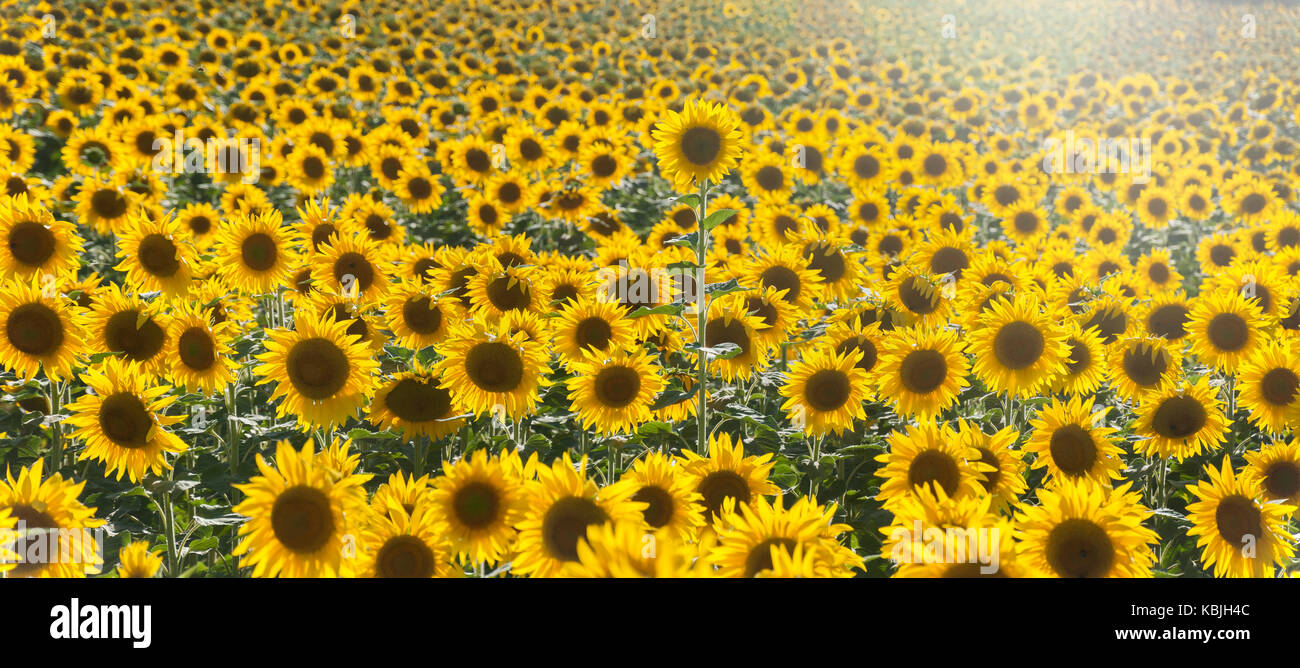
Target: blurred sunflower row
<point x="671" y="289"/>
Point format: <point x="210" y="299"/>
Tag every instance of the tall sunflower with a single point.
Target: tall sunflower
<point x="1017" y="347"/>
<point x="562" y="503"/>
<point x="614" y="392"/>
<point x="493" y="371"/>
<point x="1071" y="440"/>
<point x="412" y="402"/>
<point x="928" y="455"/>
<point x="1240" y="534"/>
<point x="38" y="332"/>
<point x="1082" y="529"/>
<point x="825" y="391"/>
<point x="256" y="252"/>
<point x="921" y="371"/>
<point x="701" y="143"/>
<point x="727" y="473"/>
<point x="1181" y="420"/>
<point x="321" y="373"/>
<point x="33" y="242"/>
<point x="123" y="423"/>
<point x="37" y="503"/>
<point x="399" y="544"/>
<point x="299" y="514"/>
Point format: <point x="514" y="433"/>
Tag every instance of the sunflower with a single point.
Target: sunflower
<point x="1166" y="316"/>
<point x="962" y="525"/>
<point x="399" y="544"/>
<point x="1138" y="365"/>
<point x="136" y="561"/>
<point x="590" y="325"/>
<point x="702" y="143"/>
<point x="1002" y="473"/>
<point x="104" y="203"/>
<point x="309" y="169"/>
<point x="613" y="392"/>
<point x="128" y="326"/>
<point x="628" y="550"/>
<point x="825" y="391"/>
<point x="1071" y="440"/>
<point x="1224" y="329"/>
<point x="1269" y="386"/>
<point x="299" y="515"/>
<point x="38" y="504"/>
<point x="765" y="177"/>
<point x="417" y="316"/>
<point x="493" y="371"/>
<point x="1240" y="535"/>
<point x="673" y="507"/>
<point x="353" y="266"/>
<point x="122" y="421"/>
<point x="155" y="255"/>
<point x="726" y="473"/>
<point x="562" y="503"/>
<point x="419" y="189"/>
<point x="496" y="290"/>
<point x="480" y="498"/>
<point x="1181" y="420"/>
<point x="928" y="455"/>
<point x="749" y="535"/>
<point x="730" y="322"/>
<point x="200" y="353"/>
<point x="256" y="252"/>
<point x="1083" y="529"/>
<point x="1017" y="347"/>
<point x="38" y="332"/>
<point x="321" y="373"/>
<point x="413" y="403"/>
<point x="1084" y="367"/>
<point x="33" y="242"/>
<point x="921" y="371"/>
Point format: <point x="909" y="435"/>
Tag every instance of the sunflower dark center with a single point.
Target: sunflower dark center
<point x="358" y="267"/>
<point x="923" y="371"/>
<point x="138" y="343"/>
<point x="404" y="557"/>
<point x="1282" y="480"/>
<point x="477" y="505"/>
<point x="508" y="293"/>
<point x="317" y="368"/>
<point x="770" y="177"/>
<point x="196" y="349"/>
<point x="617" y="386"/>
<point x="759" y="558"/>
<point x="1279" y="386"/>
<point x="593" y="332"/>
<point x="700" y="145"/>
<point x="34" y="329"/>
<point x="1078" y="548"/>
<point x="1073" y="450"/>
<point x="159" y="255"/>
<point x="1018" y="345"/>
<point x="720" y="485"/>
<point x="934" y="468"/>
<point x="125" y="420"/>
<point x="566" y="522"/>
<point x="719" y="331"/>
<point x="918" y="296"/>
<point x="31" y="243"/>
<point x="108" y="204"/>
<point x="1145" y="366"/>
<point x="1228" y="332"/>
<point x="302" y="519"/>
<point x="827" y="390"/>
<point x="413" y="400"/>
<point x="1179" y="417"/>
<point x="659" y="508"/>
<point x="494" y="367"/>
<point x="1236" y="518"/>
<point x="258" y="251"/>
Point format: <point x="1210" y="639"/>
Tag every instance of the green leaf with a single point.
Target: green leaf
<point x="662" y="309"/>
<point x="670" y="397"/>
<point x="693" y="200"/>
<point x="727" y="287"/>
<point x="687" y="240"/>
<point x="718" y="217"/>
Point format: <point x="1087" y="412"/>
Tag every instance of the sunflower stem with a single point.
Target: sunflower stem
<point x="421" y="449"/>
<point x="56" y="427"/>
<point x="232" y="431"/>
<point x="702" y="315"/>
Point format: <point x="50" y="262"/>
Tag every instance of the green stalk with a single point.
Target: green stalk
<point x="56" y="428"/>
<point x="702" y="320"/>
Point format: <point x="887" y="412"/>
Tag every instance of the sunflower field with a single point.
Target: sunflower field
<point x="649" y="288"/>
